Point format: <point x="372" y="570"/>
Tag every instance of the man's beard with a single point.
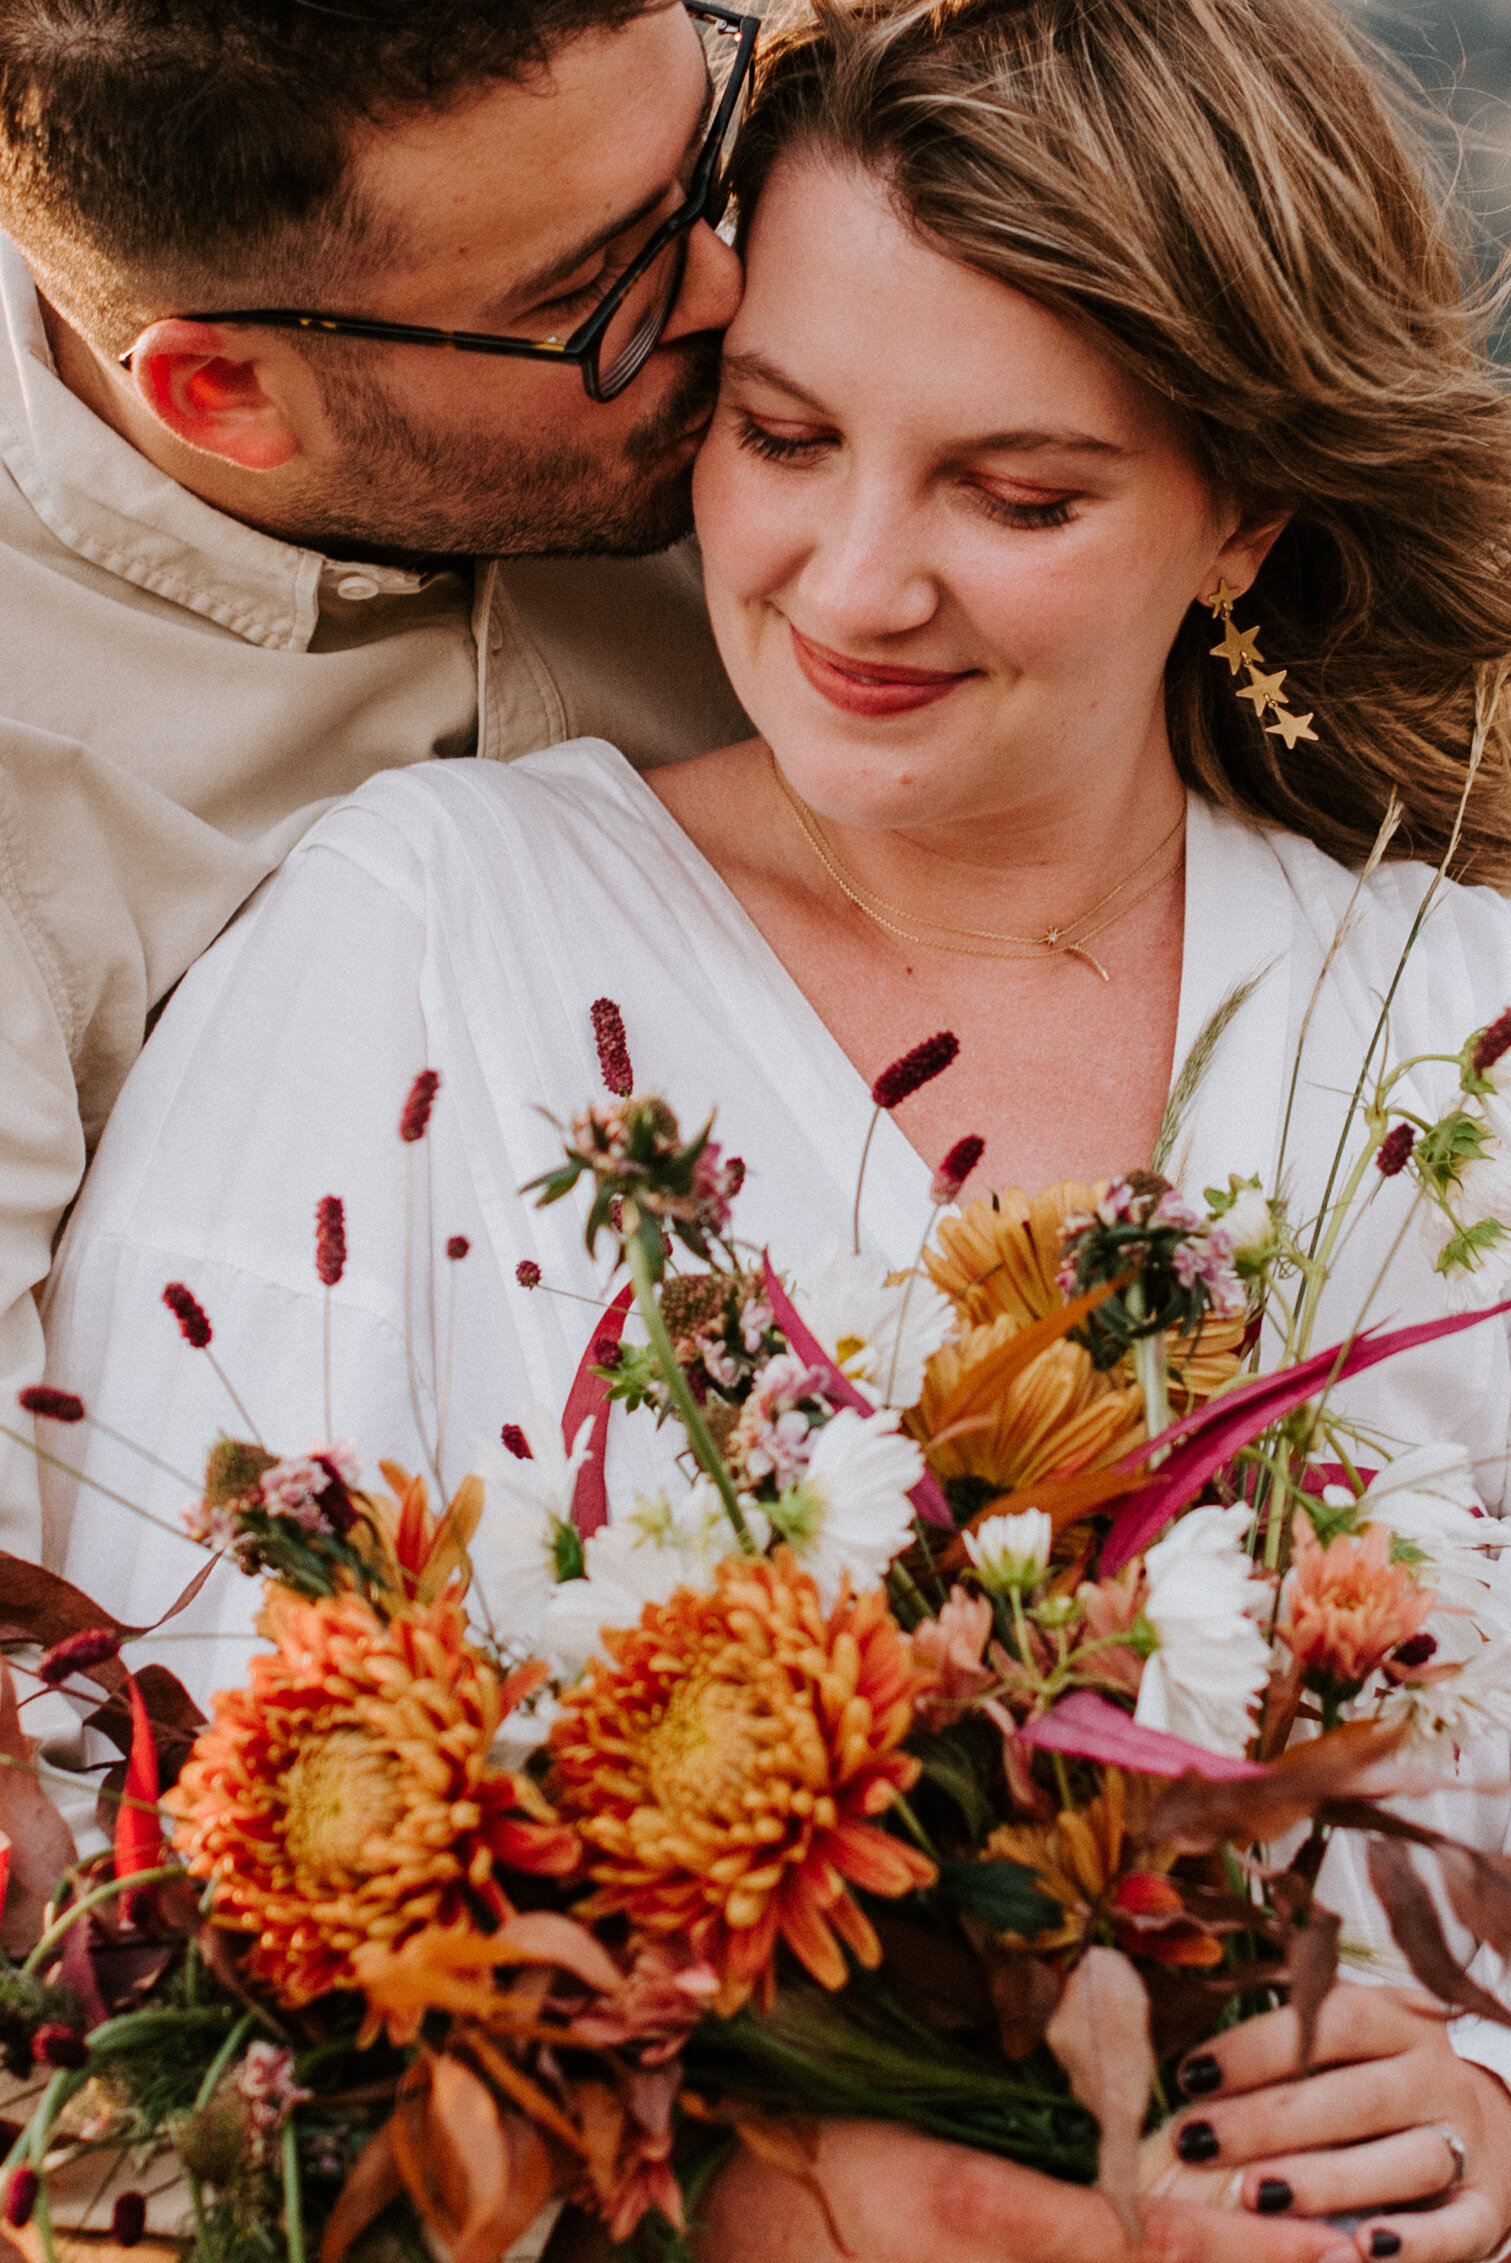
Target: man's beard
<point x="406" y="490"/>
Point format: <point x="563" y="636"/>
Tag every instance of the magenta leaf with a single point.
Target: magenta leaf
<point x="1092" y="1728"/>
<point x="1200" y="1443"/>
<point x="589" y="1398"/>
<point x="927" y="1498"/>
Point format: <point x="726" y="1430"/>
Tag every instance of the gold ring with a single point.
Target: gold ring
<point x="1458" y="2151"/>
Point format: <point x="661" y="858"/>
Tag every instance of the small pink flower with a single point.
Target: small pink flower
<point x="951" y="1649"/>
<point x="53" y="1406"/>
<point x="613" y="1047"/>
<point x="190" y="1315"/>
<point x="330" y="1239"/>
<point x="914" y="1069"/>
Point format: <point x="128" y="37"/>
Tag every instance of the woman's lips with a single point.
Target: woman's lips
<point x="866" y="687"/>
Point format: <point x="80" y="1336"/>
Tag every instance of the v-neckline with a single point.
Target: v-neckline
<point x="1236" y="926"/>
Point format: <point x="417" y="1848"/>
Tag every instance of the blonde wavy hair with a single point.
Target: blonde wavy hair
<point x="1224" y="194"/>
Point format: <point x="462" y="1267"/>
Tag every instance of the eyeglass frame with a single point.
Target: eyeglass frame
<point x="706" y="199"/>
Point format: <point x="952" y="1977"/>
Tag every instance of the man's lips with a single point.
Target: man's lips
<point x="871" y="687"/>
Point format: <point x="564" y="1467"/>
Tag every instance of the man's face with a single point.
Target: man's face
<point x="514" y="215"/>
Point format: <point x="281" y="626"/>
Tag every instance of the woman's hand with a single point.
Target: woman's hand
<point x="896" y="2197"/>
<point x="1362" y="2134"/>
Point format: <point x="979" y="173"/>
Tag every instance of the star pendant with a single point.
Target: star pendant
<point x="1289" y="727"/>
<point x="1223" y="603"/>
<point x="1263" y="690"/>
<point x="1239" y="647"/>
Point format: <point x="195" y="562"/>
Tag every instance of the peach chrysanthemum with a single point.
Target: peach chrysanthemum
<point x="1347" y="1606"/>
<point x="723" y="1766"/>
<point x="344" y="1795"/>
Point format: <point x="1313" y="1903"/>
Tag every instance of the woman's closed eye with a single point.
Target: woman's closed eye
<point x="1027" y="514"/>
<point x="794" y="445"/>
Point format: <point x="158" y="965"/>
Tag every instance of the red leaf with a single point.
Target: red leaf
<point x="589" y="1399"/>
<point x="1200" y="1443"/>
<point x="927" y="1498"/>
<point x="1094" y="1729"/>
<point x="1419" y="1934"/>
<point x="176" y="1720"/>
<point x="138" y="1828"/>
<point x="41" y="1844"/>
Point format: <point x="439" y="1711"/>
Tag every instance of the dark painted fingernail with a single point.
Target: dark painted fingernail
<point x="1197" y="2141"/>
<point x="1273" y="2197"/>
<point x="1382" y="2242"/>
<point x="1200" y="2076"/>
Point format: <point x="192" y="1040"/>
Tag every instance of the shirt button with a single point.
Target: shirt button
<point x="356" y="586"/>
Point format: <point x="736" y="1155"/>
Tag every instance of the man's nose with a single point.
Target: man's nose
<point x="712" y="284"/>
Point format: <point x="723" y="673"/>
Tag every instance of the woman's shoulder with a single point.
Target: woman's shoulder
<point x="1450" y="932"/>
<point x="417" y="827"/>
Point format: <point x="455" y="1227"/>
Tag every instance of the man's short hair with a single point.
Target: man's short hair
<point x="148" y="147"/>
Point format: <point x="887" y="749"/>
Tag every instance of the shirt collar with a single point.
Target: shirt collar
<point x="107" y="503"/>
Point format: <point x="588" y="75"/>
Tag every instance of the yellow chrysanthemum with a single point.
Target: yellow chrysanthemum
<point x="998" y="1262"/>
<point x="724" y="1763"/>
<point x="344" y="1795"/>
<point x="1095" y="1862"/>
<point x="1056" y="1414"/>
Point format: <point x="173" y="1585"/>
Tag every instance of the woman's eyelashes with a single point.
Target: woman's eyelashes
<point x="1028" y="517"/>
<point x="777" y="447"/>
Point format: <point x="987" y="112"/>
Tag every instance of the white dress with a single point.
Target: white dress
<point x="463" y="917"/>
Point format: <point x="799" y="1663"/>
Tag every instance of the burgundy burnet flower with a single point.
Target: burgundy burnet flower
<point x="1496" y="1040"/>
<point x="55" y="2045"/>
<point x="415" y="1121"/>
<point x="957" y="1168"/>
<point x="613" y="1048"/>
<point x="527" y="1273"/>
<point x="128" y="2218"/>
<point x="1394" y="1151"/>
<point x="457" y="1248"/>
<point x="607" y="1352"/>
<point x="190" y="1315"/>
<point x="330" y="1239"/>
<point x="516" y="1441"/>
<point x="21" y="2196"/>
<point x="914" y="1069"/>
<point x="76" y="1653"/>
<point x="57" y="1406"/>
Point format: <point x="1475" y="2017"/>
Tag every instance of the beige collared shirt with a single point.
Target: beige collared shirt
<point x="185" y="696"/>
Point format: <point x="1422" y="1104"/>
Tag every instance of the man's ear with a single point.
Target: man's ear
<point x="206" y="385"/>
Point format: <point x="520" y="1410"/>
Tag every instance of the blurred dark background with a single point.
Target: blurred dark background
<point x="1459" y="53"/>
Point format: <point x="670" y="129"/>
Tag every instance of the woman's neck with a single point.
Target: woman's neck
<point x="1047" y="861"/>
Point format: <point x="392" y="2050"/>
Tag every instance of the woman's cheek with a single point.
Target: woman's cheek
<point x="748" y="518"/>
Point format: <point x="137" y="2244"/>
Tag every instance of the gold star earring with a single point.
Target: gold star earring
<point x="1240" y="649"/>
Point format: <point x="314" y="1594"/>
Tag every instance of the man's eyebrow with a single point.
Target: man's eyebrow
<point x="1020" y="442"/>
<point x="529" y="288"/>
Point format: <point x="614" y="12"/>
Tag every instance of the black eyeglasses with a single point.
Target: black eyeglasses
<point x="613" y="344"/>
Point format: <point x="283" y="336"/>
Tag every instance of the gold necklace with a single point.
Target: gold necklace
<point x="1068" y="941"/>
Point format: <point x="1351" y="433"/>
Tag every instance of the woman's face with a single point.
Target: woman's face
<point x="948" y="543"/>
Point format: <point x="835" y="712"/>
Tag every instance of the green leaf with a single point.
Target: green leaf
<point x="1005" y="1894"/>
<point x="950" y="1768"/>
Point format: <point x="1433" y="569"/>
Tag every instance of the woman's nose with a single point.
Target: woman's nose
<point x="865" y="575"/>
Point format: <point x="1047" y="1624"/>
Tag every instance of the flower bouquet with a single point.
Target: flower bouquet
<point x="958" y="1736"/>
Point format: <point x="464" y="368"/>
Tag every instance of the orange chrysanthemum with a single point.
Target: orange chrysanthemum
<point x="344" y="1795"/>
<point x="1097" y="1863"/>
<point x="724" y="1765"/>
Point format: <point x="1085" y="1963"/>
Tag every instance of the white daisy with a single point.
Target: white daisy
<point x="526" y="1527"/>
<point x="850" y="1512"/>
<point x="1428" y="1498"/>
<point x="1212" y="1662"/>
<point x="641" y="1557"/>
<point x="1011" y="1552"/>
<point x="880" y="1334"/>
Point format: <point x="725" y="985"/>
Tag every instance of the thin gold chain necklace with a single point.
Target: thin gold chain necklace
<point x="1068" y="941"/>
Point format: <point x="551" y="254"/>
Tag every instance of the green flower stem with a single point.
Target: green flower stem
<point x="105" y="1893"/>
<point x="676" y="1382"/>
<point x="42" y="2218"/>
<point x="221" y="2061"/>
<point x="293" y="2194"/>
<point x="201" y="2222"/>
<point x="860" y="1177"/>
<point x="901" y="1807"/>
